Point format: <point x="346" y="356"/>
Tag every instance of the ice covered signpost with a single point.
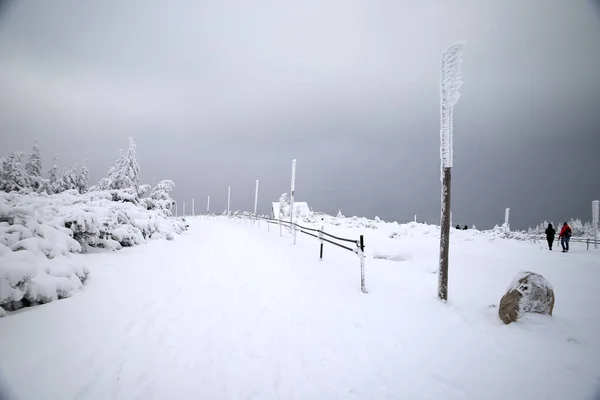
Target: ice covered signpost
<point x="292" y="189"/>
<point x="228" y="199"/>
<point x="256" y="198"/>
<point x="451" y="80"/>
<point x="595" y="217"/>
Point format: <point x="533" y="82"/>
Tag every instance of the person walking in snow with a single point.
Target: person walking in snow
<point x="550" y="234"/>
<point x="565" y="236"/>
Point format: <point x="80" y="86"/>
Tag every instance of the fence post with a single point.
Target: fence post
<point x="295" y="233"/>
<point x="280" y="234"/>
<point x="321" y="241"/>
<point x="588" y="243"/>
<point x="595" y="220"/>
<point x="362" y="265"/>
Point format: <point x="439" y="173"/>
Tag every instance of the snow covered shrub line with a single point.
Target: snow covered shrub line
<point x="43" y="221"/>
<point x="38" y="232"/>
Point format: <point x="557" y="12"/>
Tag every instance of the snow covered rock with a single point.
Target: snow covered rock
<point x="528" y="292"/>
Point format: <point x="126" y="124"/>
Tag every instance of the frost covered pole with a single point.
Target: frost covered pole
<point x="176" y="211"/>
<point x="207" y="205"/>
<point x="293" y="185"/>
<point x="595" y="218"/>
<point x="451" y="80"/>
<point x="255" y="198"/>
<point x="193" y="207"/>
<point x="506" y="218"/>
<point x="183" y="209"/>
<point x="228" y="199"/>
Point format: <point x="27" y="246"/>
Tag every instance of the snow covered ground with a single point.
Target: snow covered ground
<point x="231" y="311"/>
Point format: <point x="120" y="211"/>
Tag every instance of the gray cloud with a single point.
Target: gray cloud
<point x="222" y="93"/>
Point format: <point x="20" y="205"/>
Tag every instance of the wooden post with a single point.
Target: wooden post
<point x="445" y="235"/>
<point x="363" y="287"/>
<point x="321" y="241"/>
<point x="595" y="220"/>
<point x="292" y="193"/>
<point x="451" y="80"/>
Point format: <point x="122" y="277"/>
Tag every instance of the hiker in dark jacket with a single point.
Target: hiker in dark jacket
<point x="550" y="233"/>
<point x="565" y="236"/>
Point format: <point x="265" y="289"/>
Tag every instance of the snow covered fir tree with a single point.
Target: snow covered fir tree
<point x="44" y="220"/>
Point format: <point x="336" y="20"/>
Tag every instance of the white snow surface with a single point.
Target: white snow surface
<point x="231" y="311"/>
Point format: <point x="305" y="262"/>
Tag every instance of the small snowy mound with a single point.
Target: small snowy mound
<point x="341" y="221"/>
<point x="528" y="292"/>
<point x="390" y="251"/>
<point x="502" y="232"/>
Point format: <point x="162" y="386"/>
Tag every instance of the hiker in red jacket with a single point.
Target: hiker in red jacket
<point x="565" y="236"/>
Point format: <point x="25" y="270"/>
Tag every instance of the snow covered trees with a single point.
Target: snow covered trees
<point x="52" y="184"/>
<point x="283" y="205"/>
<point x="160" y="197"/>
<point x="84" y="178"/>
<point x="125" y="173"/>
<point x="18" y="176"/>
<point x="33" y="167"/>
<point x="14" y="177"/>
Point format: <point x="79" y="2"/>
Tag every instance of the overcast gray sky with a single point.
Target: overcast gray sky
<point x="224" y="92"/>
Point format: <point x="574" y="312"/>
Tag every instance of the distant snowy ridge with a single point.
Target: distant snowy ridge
<point x="580" y="229"/>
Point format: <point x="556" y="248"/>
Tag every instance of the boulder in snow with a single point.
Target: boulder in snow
<point x="528" y="292"/>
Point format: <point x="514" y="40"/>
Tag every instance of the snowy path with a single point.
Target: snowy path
<point x="230" y="311"/>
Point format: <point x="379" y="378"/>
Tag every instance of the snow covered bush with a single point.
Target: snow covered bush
<point x="43" y="221"/>
<point x="38" y="232"/>
<point x="33" y="266"/>
<point x="160" y="198"/>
